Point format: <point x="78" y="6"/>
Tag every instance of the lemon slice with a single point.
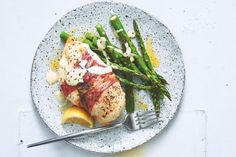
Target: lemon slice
<point x="77" y="115"/>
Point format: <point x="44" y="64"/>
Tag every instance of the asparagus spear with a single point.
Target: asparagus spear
<point x="126" y="38"/>
<point x="117" y="25"/>
<point x="142" y="47"/>
<point x="90" y="36"/>
<point x="64" y="36"/>
<point x="129" y="95"/>
<point x="144" y="52"/>
<point x="135" y="85"/>
<point x="123" y="36"/>
<point x="156" y="95"/>
<point x="102" y="33"/>
<point x="127" y="70"/>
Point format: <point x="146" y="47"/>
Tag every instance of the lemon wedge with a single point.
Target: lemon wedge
<point x="77" y="115"/>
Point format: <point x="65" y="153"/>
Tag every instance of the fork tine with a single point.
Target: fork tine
<point x="144" y="119"/>
<point x="149" y="123"/>
<point x="147" y="120"/>
<point x="148" y="115"/>
<point x="148" y="112"/>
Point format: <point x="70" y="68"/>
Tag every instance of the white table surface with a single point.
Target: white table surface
<point x="206" y="33"/>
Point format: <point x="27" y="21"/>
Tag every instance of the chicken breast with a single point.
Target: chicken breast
<point x="105" y="98"/>
<point x="110" y="104"/>
<point x="89" y="83"/>
<point x="71" y="94"/>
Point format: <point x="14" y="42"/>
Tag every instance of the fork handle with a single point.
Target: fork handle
<point x="73" y="135"/>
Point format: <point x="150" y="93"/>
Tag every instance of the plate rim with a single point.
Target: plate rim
<point x="146" y="140"/>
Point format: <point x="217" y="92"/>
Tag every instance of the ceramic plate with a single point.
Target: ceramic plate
<point x="84" y="19"/>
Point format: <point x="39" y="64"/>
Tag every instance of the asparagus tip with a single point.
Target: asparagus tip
<point x="64" y="36"/>
<point x="113" y="17"/>
<point x="98" y="25"/>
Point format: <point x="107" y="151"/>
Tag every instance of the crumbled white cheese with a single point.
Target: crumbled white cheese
<point x="131" y="59"/>
<point x="51" y="77"/>
<point x="59" y="95"/>
<point x="131" y="34"/>
<point x="101" y="43"/>
<point x="128" y="52"/>
<point x="75" y="76"/>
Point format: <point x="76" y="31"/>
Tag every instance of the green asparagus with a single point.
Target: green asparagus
<point x="144" y="52"/>
<point x="135" y="85"/>
<point x="64" y="36"/>
<point x="123" y="36"/>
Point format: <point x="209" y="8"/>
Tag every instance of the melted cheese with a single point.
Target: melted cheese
<point x="101" y="43"/>
<point x="75" y="76"/>
<point x="131" y="34"/>
<point x="51" y="77"/>
<point x="128" y="52"/>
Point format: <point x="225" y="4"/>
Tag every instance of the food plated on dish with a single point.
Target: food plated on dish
<point x="91" y="69"/>
<point x="166" y="58"/>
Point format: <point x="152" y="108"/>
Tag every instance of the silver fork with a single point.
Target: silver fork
<point x="135" y="121"/>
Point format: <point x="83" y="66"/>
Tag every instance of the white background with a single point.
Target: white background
<point x="206" y="33"/>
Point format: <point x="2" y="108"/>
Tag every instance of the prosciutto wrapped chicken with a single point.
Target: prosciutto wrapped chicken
<point x="89" y="83"/>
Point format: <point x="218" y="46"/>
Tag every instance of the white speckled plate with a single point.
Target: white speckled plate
<point x="84" y="19"/>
